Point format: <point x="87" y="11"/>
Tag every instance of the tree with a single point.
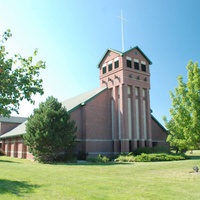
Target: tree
<point x="18" y="78"/>
<point x="184" y="126"/>
<point x="50" y="132"/>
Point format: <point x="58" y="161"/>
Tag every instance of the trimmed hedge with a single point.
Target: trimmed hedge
<point x="159" y="157"/>
<point x="150" y="157"/>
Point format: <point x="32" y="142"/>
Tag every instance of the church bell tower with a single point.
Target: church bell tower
<point x="127" y="77"/>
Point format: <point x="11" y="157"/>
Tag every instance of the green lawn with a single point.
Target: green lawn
<point x="23" y="179"/>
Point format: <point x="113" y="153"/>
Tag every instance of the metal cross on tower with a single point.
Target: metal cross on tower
<point x="122" y="29"/>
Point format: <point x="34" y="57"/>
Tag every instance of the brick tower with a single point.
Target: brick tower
<point x="127" y="76"/>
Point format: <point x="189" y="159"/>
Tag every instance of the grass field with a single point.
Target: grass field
<point x="23" y="179"/>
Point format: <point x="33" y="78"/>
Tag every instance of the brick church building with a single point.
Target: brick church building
<point x="113" y="118"/>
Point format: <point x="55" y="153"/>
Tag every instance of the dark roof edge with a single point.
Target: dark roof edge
<point x="136" y="47"/>
<point x="118" y="52"/>
<point x="159" y="124"/>
<point x="122" y="54"/>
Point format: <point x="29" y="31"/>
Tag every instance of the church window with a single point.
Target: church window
<point x="119" y="114"/>
<point x="137" y="118"/>
<point x="143" y="66"/>
<point x="144" y="119"/>
<point x="143" y="92"/>
<point x="136" y="91"/>
<point x="104" y="69"/>
<point x="136" y="64"/>
<point x="110" y="66"/>
<point x="128" y="62"/>
<point x="129" y="88"/>
<point x="116" y="64"/>
<point x="112" y="113"/>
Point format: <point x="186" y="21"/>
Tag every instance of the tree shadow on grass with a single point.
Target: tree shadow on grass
<point x="9" y="161"/>
<point x="194" y="157"/>
<point x="18" y="188"/>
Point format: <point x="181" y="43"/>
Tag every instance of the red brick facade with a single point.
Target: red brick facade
<point x="15" y="147"/>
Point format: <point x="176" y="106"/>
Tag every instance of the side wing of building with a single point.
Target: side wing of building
<point x="159" y="133"/>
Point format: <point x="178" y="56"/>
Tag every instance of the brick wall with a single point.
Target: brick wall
<point x="5" y="127"/>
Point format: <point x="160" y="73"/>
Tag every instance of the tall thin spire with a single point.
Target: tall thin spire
<point x="122" y="28"/>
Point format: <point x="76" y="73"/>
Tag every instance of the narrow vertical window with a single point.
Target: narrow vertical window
<point x="119" y="114"/>
<point x="116" y="64"/>
<point x="104" y="69"/>
<point x="129" y="112"/>
<point x="137" y="113"/>
<point x="137" y="119"/>
<point x="112" y="114"/>
<point x="113" y="119"/>
<point x="144" y="113"/>
<point x="129" y="62"/>
<point x="144" y="119"/>
<point x="110" y="66"/>
<point x="136" y="64"/>
<point x="136" y="91"/>
<point x="143" y="66"/>
<point x="143" y="92"/>
<point x="129" y="90"/>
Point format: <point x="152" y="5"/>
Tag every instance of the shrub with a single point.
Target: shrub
<point x="159" y="157"/>
<point x="144" y="157"/>
<point x="99" y="158"/>
<point x="1" y="153"/>
<point x="125" y="158"/>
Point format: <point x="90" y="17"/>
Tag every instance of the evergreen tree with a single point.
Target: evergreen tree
<point x="50" y="134"/>
<point x="184" y="126"/>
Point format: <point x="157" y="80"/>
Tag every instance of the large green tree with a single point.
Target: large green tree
<point x="19" y="78"/>
<point x="184" y="125"/>
<point x="49" y="132"/>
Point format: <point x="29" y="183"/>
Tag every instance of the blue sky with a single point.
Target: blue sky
<point x="73" y="35"/>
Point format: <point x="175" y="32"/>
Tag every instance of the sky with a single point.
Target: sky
<point x="73" y="35"/>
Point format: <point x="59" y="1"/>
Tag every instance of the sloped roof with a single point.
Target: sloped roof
<point x="159" y="124"/>
<point x="19" y="130"/>
<point x="69" y="104"/>
<point x="77" y="101"/>
<point x="17" y="120"/>
<point x="123" y="53"/>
